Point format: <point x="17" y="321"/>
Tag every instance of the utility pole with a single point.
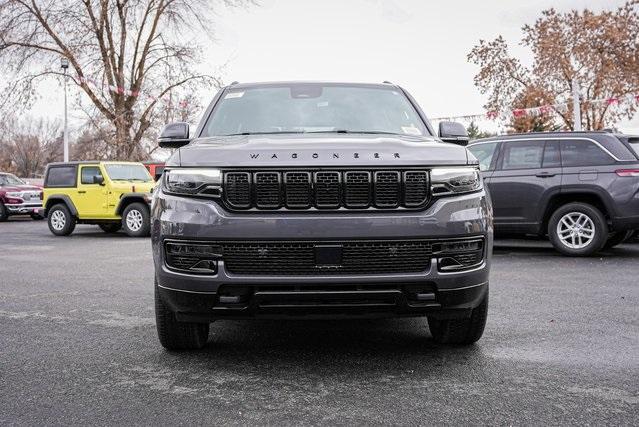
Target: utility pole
<point x="576" y="105"/>
<point x="64" y="64"/>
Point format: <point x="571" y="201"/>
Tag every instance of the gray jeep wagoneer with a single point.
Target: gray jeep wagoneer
<point x="315" y="200"/>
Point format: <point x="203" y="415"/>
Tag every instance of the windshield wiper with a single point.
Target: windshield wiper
<point x="265" y="133"/>
<point x="373" y="132"/>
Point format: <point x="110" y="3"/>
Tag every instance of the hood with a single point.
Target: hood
<point x="128" y="186"/>
<point x="318" y="150"/>
<point x="22" y="187"/>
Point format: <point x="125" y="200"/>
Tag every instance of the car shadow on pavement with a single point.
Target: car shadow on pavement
<point x="315" y="346"/>
<point x="544" y="249"/>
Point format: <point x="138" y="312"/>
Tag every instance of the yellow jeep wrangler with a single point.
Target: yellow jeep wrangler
<point x="112" y="195"/>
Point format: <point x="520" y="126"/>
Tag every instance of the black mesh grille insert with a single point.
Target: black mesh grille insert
<point x="299" y="258"/>
<point x="267" y="189"/>
<point x="357" y="189"/>
<point x="297" y="186"/>
<point x="238" y="189"/>
<point x="415" y="188"/>
<point x="327" y="189"/>
<point x="387" y="189"/>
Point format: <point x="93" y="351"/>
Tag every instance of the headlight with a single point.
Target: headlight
<point x="445" y="181"/>
<point x="200" y="182"/>
<point x="14" y="194"/>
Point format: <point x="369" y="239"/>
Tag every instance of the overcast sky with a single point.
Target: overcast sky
<point x="421" y="45"/>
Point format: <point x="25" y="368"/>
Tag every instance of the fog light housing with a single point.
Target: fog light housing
<point x="193" y="258"/>
<point x="458" y="255"/>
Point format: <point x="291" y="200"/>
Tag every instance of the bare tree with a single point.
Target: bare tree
<point x="125" y="55"/>
<point x="27" y="145"/>
<point x="599" y="50"/>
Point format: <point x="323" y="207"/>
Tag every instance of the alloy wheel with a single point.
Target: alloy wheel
<point x="134" y="220"/>
<point x="58" y="220"/>
<point x="576" y="230"/>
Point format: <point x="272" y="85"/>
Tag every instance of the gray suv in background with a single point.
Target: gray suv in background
<point x="579" y="188"/>
<point x="314" y="200"/>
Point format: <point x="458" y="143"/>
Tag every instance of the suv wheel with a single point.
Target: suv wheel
<point x="3" y="212"/>
<point x="460" y="331"/>
<point x="111" y="227"/>
<point x="617" y="238"/>
<point x="61" y="222"/>
<point x="176" y="335"/>
<point x="136" y="220"/>
<point x="577" y="229"/>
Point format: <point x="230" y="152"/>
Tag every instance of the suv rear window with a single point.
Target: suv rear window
<point x="61" y="176"/>
<point x="583" y="153"/>
<point x="522" y="155"/>
<point x="634" y="144"/>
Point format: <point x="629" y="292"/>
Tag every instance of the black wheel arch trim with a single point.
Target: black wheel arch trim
<point x="128" y="198"/>
<point x="576" y="191"/>
<point x="55" y="199"/>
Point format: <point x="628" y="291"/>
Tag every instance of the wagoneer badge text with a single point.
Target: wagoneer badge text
<point x="317" y="155"/>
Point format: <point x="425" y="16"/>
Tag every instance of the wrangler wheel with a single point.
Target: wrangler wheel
<point x="136" y="220"/>
<point x="60" y="220"/>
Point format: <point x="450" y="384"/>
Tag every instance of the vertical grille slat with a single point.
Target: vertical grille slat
<point x="326" y="190"/>
<point x="298" y="190"/>
<point x="237" y="189"/>
<point x="415" y="188"/>
<point x="357" y="189"/>
<point x="387" y="189"/>
<point x="267" y="190"/>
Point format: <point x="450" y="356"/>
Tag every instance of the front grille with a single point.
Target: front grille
<point x="299" y="257"/>
<point x="237" y="188"/>
<point x="326" y="190"/>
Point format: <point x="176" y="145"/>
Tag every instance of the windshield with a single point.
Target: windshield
<point x="128" y="172"/>
<point x="8" y="179"/>
<point x="314" y="108"/>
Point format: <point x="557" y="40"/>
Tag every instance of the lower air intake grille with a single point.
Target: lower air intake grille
<point x="299" y="258"/>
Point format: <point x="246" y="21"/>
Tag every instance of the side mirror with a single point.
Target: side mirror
<point x="453" y="132"/>
<point x="98" y="179"/>
<point x="174" y="135"/>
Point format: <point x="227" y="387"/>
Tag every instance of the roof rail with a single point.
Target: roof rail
<point x="234" y="83"/>
<point x="387" y="82"/>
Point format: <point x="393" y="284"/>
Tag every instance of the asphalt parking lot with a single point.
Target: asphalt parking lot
<point x="78" y="346"/>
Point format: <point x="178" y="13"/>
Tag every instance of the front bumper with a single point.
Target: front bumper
<point x="202" y="298"/>
<point x="24" y="209"/>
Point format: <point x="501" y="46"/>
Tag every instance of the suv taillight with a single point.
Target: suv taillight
<point x="627" y="172"/>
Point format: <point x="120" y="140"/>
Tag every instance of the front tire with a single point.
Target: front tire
<point x="460" y="331"/>
<point x="136" y="220"/>
<point x="175" y="335"/>
<point x="3" y="212"/>
<point x="577" y="229"/>
<point x="60" y="220"/>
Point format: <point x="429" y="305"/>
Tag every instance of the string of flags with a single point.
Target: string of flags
<point x="121" y="90"/>
<point x="541" y="110"/>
